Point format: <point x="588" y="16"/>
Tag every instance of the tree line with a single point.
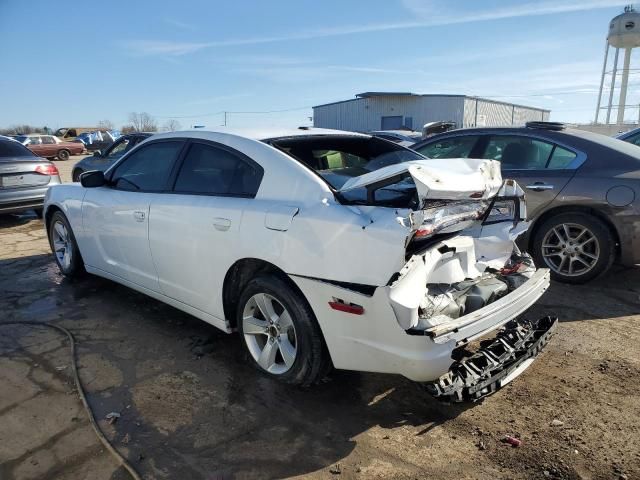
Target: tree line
<point x="137" y="122"/>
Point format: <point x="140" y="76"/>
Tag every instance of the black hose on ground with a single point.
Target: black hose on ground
<point x="72" y="347"/>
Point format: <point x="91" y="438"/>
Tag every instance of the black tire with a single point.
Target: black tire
<point x="75" y="265"/>
<point x="63" y="155"/>
<point x="76" y="175"/>
<point x="312" y="362"/>
<point x="604" y="239"/>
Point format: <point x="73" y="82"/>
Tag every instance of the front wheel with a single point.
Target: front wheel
<point x="64" y="247"/>
<point x="76" y="175"/>
<point x="63" y="154"/>
<point x="576" y="247"/>
<point x="280" y="332"/>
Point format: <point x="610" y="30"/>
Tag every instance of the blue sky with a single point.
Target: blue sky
<point x="67" y="66"/>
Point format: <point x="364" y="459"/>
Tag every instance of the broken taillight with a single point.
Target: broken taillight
<point x="48" y="169"/>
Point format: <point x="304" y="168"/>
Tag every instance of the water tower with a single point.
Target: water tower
<point x="624" y="33"/>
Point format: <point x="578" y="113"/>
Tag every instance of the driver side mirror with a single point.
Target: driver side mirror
<point x="92" y="179"/>
<point x="97" y="153"/>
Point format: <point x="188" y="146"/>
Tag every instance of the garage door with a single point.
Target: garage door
<point x="391" y="123"/>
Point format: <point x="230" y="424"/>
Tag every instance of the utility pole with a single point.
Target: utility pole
<point x="225" y="119"/>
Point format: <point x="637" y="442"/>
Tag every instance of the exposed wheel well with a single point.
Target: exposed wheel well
<point x="237" y="278"/>
<point x="572" y="209"/>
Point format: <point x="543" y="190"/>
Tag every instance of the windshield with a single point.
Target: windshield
<point x="22" y="138"/>
<point x="338" y="158"/>
<point x="9" y="148"/>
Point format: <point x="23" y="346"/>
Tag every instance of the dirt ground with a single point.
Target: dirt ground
<point x="191" y="407"/>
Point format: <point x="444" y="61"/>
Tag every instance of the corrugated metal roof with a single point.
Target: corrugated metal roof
<point x="385" y="94"/>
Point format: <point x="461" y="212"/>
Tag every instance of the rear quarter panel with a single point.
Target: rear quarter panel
<point x="68" y="198"/>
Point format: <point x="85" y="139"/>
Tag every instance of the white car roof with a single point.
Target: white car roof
<point x="258" y="133"/>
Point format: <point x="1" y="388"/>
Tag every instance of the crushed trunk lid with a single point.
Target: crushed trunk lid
<point x="453" y="179"/>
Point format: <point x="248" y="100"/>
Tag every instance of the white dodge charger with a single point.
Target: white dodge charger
<point x="321" y="248"/>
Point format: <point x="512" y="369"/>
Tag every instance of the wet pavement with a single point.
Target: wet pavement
<point x="192" y="407"/>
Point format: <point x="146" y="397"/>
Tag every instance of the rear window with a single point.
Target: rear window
<point x="9" y="148"/>
<point x="618" y="145"/>
<point x="339" y="158"/>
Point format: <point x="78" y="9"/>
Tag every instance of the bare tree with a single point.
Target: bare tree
<point x="143" y="122"/>
<point x="172" y="125"/>
<point x="105" y="124"/>
<point x="127" y="129"/>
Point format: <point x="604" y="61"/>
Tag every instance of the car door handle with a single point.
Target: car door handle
<point x="222" y="224"/>
<point x="139" y="215"/>
<point x="539" y="187"/>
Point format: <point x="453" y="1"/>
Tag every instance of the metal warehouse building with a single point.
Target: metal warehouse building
<point x="396" y="110"/>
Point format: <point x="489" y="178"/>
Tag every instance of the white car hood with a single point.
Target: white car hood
<point x="445" y="179"/>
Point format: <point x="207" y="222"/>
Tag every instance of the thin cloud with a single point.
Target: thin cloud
<point x="430" y="14"/>
<point x="179" y="24"/>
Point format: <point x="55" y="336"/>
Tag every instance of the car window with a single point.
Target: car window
<point x="9" y="148"/>
<point x="35" y="141"/>
<point x="633" y="139"/>
<point x="47" y="140"/>
<point x="517" y="152"/>
<point x="452" y="147"/>
<point x="148" y="168"/>
<point x="119" y="149"/>
<point x="561" y="158"/>
<point x="216" y="171"/>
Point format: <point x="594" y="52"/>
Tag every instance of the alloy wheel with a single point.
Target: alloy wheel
<point x="570" y="249"/>
<point x="269" y="333"/>
<point x="62" y="246"/>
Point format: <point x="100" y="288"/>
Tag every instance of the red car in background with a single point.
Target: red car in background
<point x="48" y="146"/>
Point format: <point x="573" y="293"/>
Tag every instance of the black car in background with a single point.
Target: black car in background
<point x="102" y="160"/>
<point x="583" y="191"/>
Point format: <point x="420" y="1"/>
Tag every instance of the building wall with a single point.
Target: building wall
<point x="480" y="112"/>
<point x="365" y="114"/>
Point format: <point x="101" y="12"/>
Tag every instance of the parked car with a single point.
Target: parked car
<point x="24" y="178"/>
<point x="406" y="138"/>
<point x="101" y="160"/>
<point x="70" y="133"/>
<point x="320" y="248"/>
<point x="583" y="191"/>
<point x="632" y="136"/>
<point x="97" y="140"/>
<point x="48" y="146"/>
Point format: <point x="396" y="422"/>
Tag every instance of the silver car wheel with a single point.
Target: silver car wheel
<point x="269" y="333"/>
<point x="62" y="245"/>
<point x="570" y="249"/>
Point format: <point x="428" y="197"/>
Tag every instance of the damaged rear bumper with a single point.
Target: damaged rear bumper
<point x="496" y="363"/>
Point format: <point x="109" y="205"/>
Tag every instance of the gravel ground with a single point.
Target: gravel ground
<point x="191" y="407"/>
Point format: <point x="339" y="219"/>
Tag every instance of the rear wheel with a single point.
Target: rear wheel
<point x="63" y="154"/>
<point x="64" y="246"/>
<point x="280" y="332"/>
<point x="576" y="247"/>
